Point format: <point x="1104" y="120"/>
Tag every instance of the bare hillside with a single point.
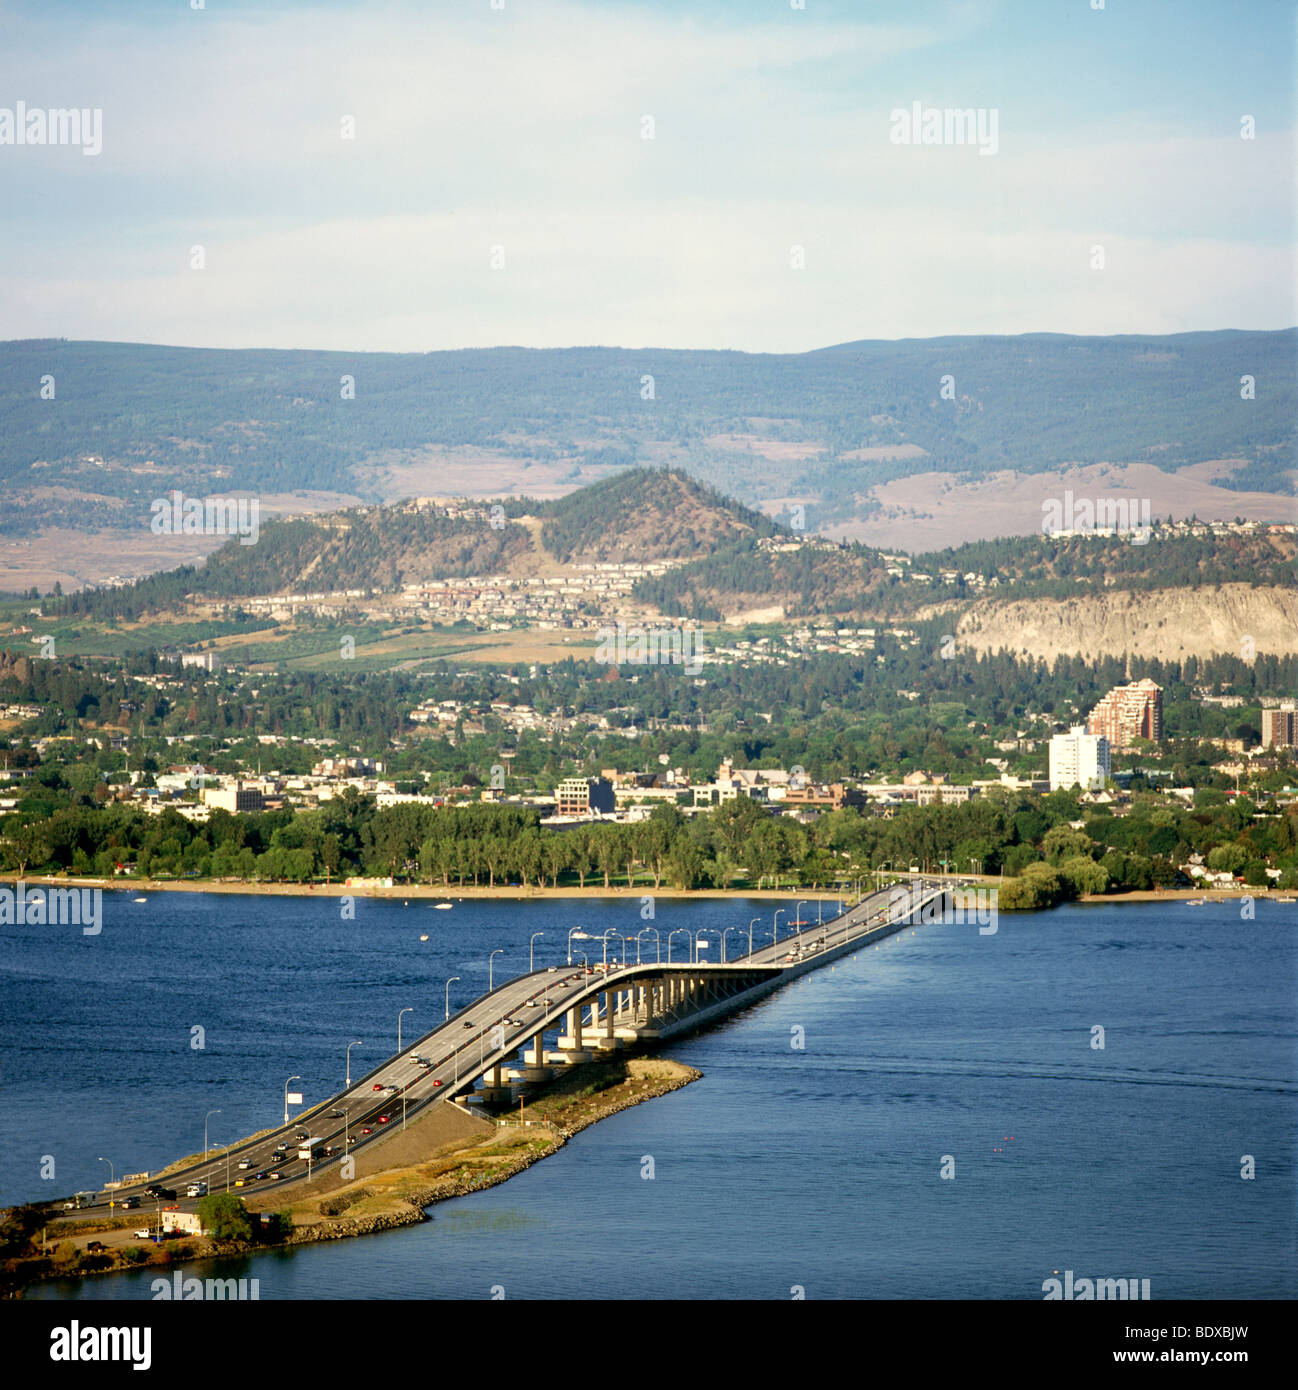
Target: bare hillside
<point x="1167" y="624"/>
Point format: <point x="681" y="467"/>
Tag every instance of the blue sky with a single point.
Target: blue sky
<point x="521" y="129"/>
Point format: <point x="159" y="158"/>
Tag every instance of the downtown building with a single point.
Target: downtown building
<point x="1078" y="759"/>
<point x="1129" y="712"/>
<point x="583" y="796"/>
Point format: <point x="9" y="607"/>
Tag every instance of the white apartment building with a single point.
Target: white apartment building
<point x="1078" y="759"/>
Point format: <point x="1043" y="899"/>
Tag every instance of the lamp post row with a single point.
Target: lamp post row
<point x="575" y="933"/>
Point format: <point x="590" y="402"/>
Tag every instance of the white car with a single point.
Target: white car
<point x="144" y="1235"/>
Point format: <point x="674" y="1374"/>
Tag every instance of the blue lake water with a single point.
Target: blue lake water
<point x="816" y="1167"/>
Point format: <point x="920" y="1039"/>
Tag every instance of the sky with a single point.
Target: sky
<point x="469" y="173"/>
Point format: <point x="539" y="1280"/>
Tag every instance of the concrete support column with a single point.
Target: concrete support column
<point x="608" y="1013"/>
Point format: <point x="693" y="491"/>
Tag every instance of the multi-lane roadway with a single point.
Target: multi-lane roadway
<point x="489" y="1029"/>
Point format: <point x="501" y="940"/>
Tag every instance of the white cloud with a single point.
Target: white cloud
<point x="522" y="127"/>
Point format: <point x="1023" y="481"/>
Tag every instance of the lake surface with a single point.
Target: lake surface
<point x="816" y="1167"/>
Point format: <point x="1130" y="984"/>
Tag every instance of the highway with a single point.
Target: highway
<point x="493" y="1027"/>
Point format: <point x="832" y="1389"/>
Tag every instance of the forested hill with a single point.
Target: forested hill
<point x="824" y="579"/>
<point x="127" y="421"/>
<point x="642" y="514"/>
<point x="646" y="514"/>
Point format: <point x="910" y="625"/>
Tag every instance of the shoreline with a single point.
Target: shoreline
<point x="447" y="893"/>
<point x="469" y="892"/>
<point x="453" y="1169"/>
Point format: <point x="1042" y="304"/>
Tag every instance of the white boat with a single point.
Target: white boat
<point x="424" y="937"/>
<point x="139" y="900"/>
<point x="443" y="907"/>
<point x="1197" y="902"/>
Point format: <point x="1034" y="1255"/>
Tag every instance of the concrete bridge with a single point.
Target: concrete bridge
<point x="500" y="1039"/>
<point x="596" y="1011"/>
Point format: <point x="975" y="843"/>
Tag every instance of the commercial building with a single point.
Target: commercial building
<point x="1078" y="759"/>
<point x="1129" y="712"/>
<point x="579" y="796"/>
<point x="235" y="798"/>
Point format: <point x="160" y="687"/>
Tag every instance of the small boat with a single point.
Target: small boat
<point x="1287" y="900"/>
<point x="424" y="937"/>
<point x="443" y="907"/>
<point x="139" y="900"/>
<point x="1197" y="902"/>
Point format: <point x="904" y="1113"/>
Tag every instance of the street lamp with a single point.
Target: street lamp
<point x="695" y="939"/>
<point x="207" y="1117"/>
<point x="286" y="1085"/>
<point x="778" y="910"/>
<point x="350" y="1045"/>
<point x="670" y="935"/>
<point x="531" y="951"/>
<point x="798" y="922"/>
<point x="658" y="943"/>
<point x="403" y="1011"/>
<point x="449" y="983"/>
<point x="580" y="935"/>
<point x="612" y="931"/>
<point x="724" y="937"/>
<point x="491" y="960"/>
<point x="112" y="1178"/>
<point x="750" y="934"/>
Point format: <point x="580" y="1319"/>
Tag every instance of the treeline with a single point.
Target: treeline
<point x="739" y="844"/>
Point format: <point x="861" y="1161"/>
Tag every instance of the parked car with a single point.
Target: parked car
<point x="144" y="1234"/>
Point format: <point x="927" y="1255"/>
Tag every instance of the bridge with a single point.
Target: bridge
<point x="500" y="1039"/>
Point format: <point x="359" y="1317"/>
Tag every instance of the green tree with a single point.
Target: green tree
<point x="224" y="1217"/>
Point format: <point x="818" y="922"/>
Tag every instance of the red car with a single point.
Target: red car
<point x="383" y="1119"/>
<point x="367" y="1130"/>
<point x="378" y="1086"/>
<point x="436" y="1081"/>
